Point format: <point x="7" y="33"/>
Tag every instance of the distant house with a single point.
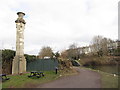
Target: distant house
<point x="46" y="57"/>
<point x="113" y="45"/>
<point x="84" y="50"/>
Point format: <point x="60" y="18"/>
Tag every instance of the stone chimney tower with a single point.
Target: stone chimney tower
<point x="19" y="61"/>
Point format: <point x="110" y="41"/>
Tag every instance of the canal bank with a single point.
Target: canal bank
<point x="107" y="64"/>
<point x="99" y="61"/>
<point x="111" y="69"/>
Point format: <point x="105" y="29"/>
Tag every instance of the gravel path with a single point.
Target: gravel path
<point x="84" y="79"/>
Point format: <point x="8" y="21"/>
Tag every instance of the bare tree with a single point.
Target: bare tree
<point x="73" y="46"/>
<point x="64" y="54"/>
<point x="101" y="45"/>
<point x="96" y="42"/>
<point x="73" y="52"/>
<point x="46" y="52"/>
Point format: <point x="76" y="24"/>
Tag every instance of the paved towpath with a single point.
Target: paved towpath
<point x="84" y="79"/>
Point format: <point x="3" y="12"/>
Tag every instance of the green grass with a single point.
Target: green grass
<point x="23" y="81"/>
<point x="107" y="80"/>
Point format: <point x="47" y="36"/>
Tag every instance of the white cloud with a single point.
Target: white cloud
<point x="58" y="23"/>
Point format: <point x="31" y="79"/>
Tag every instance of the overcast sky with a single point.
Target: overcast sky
<point x="58" y="23"/>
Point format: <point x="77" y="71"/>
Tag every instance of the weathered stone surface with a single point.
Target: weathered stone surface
<point x="19" y="61"/>
<point x="20" y="21"/>
<point x="20" y="18"/>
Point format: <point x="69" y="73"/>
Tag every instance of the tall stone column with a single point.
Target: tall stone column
<point x="19" y="61"/>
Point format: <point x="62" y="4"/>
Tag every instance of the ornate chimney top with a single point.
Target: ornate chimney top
<point x="20" y="13"/>
<point x="20" y="18"/>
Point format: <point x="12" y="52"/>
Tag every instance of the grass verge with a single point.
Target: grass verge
<point x="107" y="80"/>
<point x="23" y="81"/>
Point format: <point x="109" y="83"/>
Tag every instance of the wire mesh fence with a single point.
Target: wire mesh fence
<point x="42" y="65"/>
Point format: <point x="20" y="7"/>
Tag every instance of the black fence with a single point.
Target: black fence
<point x="42" y="65"/>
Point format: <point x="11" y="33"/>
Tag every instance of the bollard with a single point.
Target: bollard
<point x="56" y="70"/>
